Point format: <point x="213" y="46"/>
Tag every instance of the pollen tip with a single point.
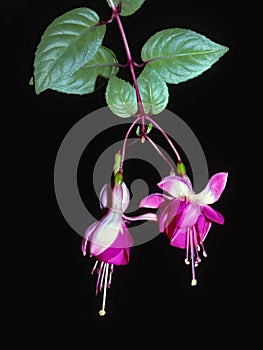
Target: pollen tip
<point x="102" y="312"/>
<point x="205" y="254"/>
<point x="193" y="282"/>
<point x="187" y="262"/>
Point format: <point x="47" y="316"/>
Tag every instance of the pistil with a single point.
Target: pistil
<point x="104" y="283"/>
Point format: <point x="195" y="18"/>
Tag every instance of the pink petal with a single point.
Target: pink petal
<point x="188" y="216"/>
<point x="213" y="190"/>
<point x="202" y="227"/>
<point x="169" y="212"/>
<point x="147" y="216"/>
<point x="105" y="232"/>
<point x="86" y="236"/>
<point x="176" y="186"/>
<point x="213" y="214"/>
<point x="153" y="200"/>
<point x="104" y="197"/>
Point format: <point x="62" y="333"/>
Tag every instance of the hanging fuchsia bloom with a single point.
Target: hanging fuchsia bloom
<point x="186" y="217"/>
<point x="109" y="238"/>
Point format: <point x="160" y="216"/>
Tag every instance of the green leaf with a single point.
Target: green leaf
<point x="83" y="81"/>
<point x="129" y="6"/>
<point x="153" y="90"/>
<point x="180" y="54"/>
<point x="67" y="44"/>
<point x="121" y="97"/>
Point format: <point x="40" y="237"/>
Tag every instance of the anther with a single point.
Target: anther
<point x="193" y="282"/>
<point x="187" y="262"/>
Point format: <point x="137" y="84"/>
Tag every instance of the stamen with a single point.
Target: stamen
<point x="194" y="281"/>
<point x="102" y="312"/>
<point x="197" y="257"/>
<point x="98" y="279"/>
<point x="204" y="251"/>
<point x="186" y="260"/>
<point x="110" y="275"/>
<point x="94" y="267"/>
<point x="102" y="276"/>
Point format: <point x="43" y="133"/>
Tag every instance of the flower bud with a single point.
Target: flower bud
<point x="181" y="168"/>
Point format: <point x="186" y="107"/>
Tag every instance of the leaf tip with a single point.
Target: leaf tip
<point x="225" y="48"/>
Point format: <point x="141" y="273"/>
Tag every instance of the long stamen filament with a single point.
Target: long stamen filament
<point x="194" y="281"/>
<point x="99" y="275"/>
<point x="186" y="260"/>
<point x="102" y="312"/>
<point x="102" y="276"/>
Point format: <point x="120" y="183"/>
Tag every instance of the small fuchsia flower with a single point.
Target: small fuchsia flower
<point x="109" y="238"/>
<point x="186" y="217"/>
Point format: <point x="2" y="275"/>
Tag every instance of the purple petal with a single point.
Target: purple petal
<point x="202" y="227"/>
<point x="105" y="232"/>
<point x="147" y="216"/>
<point x="153" y="200"/>
<point x="176" y="186"/>
<point x="124" y="238"/>
<point x="104" y="197"/>
<point x="115" y="256"/>
<point x="213" y="190"/>
<point x="178" y="238"/>
<point x="213" y="214"/>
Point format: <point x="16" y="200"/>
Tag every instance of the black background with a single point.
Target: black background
<point x="150" y="299"/>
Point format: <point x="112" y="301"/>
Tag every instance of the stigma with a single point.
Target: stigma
<point x="193" y="247"/>
<point x="104" y="271"/>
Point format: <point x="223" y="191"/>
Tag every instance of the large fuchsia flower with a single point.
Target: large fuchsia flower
<point x="185" y="216"/>
<point x="109" y="239"/>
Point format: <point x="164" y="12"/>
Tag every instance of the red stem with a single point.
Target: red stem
<point x="125" y="142"/>
<point x="166" y="136"/>
<point x="131" y="64"/>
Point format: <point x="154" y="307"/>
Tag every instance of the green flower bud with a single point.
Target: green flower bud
<point x="181" y="168"/>
<point x="118" y="178"/>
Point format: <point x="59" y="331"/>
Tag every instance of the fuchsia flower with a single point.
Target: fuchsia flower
<point x="186" y="217"/>
<point x="109" y="238"/>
